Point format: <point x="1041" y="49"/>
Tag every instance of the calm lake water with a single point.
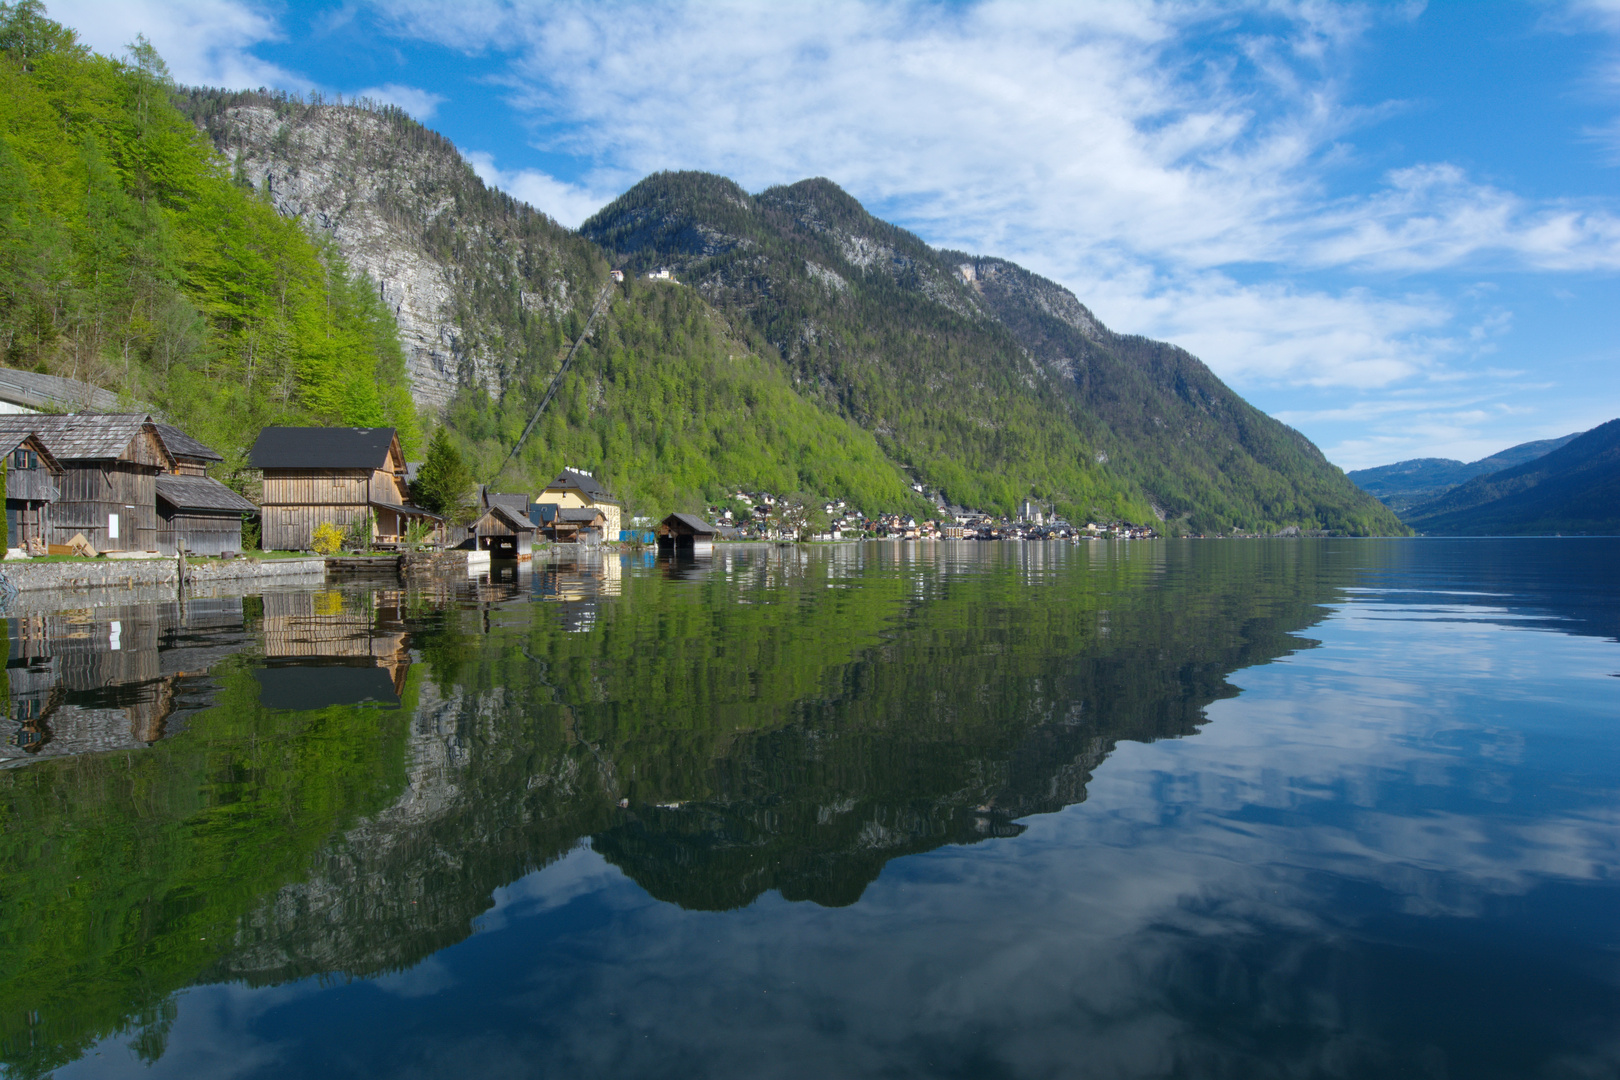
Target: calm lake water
<point x="1150" y="809"/>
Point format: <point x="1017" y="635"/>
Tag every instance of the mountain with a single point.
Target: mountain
<point x="1573" y="489"/>
<point x="984" y="380"/>
<point x="1404" y="484"/>
<point x="240" y="259"/>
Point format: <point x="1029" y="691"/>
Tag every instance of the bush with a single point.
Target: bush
<point x="328" y="539"/>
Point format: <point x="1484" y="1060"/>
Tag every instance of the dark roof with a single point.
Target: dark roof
<point x="517" y="504"/>
<point x="542" y="513"/>
<point x="184" y="446"/>
<point x="586" y="485"/>
<point x="322" y="448"/>
<point x="696" y="524"/>
<point x="80" y="436"/>
<point x="201" y="493"/>
<point x="582" y="515"/>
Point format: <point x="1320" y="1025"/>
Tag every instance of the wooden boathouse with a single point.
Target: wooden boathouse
<point x="685" y="534"/>
<point x="503" y="529"/>
<point x="315" y="476"/>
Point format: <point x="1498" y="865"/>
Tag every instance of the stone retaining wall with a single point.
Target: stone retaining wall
<point x="147" y="573"/>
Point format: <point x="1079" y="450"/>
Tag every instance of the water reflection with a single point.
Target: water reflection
<point x="109" y="678"/>
<point x="780" y="723"/>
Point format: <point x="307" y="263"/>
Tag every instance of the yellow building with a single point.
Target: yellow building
<point x="574" y="489"/>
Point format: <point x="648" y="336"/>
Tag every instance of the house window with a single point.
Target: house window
<point x="24" y="459"/>
<point x="112" y="526"/>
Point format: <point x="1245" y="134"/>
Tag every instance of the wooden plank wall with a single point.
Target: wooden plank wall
<point x="295" y="501"/>
<point x="201" y="534"/>
<point x="94" y="490"/>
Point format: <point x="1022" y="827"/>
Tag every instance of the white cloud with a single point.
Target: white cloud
<point x="569" y="204"/>
<point x="419" y="103"/>
<point x="204" y="42"/>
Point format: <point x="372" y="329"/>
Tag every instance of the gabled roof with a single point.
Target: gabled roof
<point x="517" y="504"/>
<point x="10" y="440"/>
<point x="585" y="485"/>
<point x="696" y="524"/>
<point x="183" y="446"/>
<point x="579" y="515"/>
<point x="81" y="436"/>
<point x="322" y="448"/>
<point x="201" y="493"/>
<point x="515" y="521"/>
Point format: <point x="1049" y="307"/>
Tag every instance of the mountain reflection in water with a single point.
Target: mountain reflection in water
<point x="342" y="782"/>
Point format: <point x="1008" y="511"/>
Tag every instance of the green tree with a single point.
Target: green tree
<point x="445" y="484"/>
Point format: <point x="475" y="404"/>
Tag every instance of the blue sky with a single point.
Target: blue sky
<point x="1395" y="226"/>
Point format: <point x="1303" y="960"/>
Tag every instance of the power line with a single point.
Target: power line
<point x="556" y="380"/>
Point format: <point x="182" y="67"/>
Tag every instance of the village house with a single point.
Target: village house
<point x="110" y="463"/>
<point x="32" y="485"/>
<point x="576" y="489"/>
<point x="339" y="476"/>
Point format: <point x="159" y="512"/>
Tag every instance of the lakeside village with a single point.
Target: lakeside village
<point x="128" y="485"/>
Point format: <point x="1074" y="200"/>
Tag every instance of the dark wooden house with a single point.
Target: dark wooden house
<point x="503" y="529"/>
<point x="199" y="515"/>
<point x="196" y="513"/>
<point x="110" y="465"/>
<point x="685" y="534"/>
<point x="315" y="476"/>
<point x="32" y="481"/>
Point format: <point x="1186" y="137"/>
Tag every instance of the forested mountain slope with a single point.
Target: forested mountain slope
<point x="989" y="382"/>
<point x="1405" y="484"/>
<point x="1574" y="489"/>
<point x="130" y="259"/>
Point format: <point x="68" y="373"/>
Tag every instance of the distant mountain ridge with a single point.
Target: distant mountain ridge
<point x="1573" y="489"/>
<point x="987" y="381"/>
<point x="1406" y="483"/>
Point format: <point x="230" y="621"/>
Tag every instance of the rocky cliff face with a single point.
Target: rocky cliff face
<point x="460" y="264"/>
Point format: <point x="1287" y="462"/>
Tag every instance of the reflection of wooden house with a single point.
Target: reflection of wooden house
<point x="338" y="476"/>
<point x="576" y="490"/>
<point x="110" y="465"/>
<point x="32" y="484"/>
<point x="321" y="649"/>
<point x="686" y="534"/>
<point x="109" y="678"/>
<point x="503" y="529"/>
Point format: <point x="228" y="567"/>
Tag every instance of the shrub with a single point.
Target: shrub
<point x="327" y="540"/>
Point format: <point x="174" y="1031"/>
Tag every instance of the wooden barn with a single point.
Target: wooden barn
<point x="199" y="515"/>
<point x="329" y="649"/>
<point x="314" y="476"/>
<point x="685" y="534"/>
<point x="32" y="482"/>
<point x="110" y="465"/>
<point x="503" y="529"/>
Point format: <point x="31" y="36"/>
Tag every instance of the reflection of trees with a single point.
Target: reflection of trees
<point x="770" y="732"/>
<point x="782" y="722"/>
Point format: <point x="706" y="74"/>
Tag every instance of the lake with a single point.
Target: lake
<point x="1322" y="808"/>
